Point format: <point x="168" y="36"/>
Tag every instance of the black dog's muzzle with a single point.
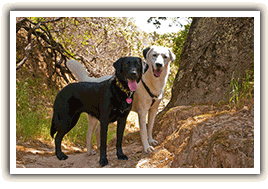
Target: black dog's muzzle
<point x="133" y="75"/>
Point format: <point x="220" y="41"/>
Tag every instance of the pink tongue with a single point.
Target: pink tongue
<point x="157" y="73"/>
<point x="132" y="85"/>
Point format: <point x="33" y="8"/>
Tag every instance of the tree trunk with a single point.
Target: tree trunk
<point x="216" y="49"/>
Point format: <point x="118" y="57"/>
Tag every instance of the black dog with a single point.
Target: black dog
<point x="108" y="101"/>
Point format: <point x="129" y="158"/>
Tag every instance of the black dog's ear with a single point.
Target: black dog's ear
<point x="118" y="65"/>
<point x="145" y="51"/>
<point x="145" y="67"/>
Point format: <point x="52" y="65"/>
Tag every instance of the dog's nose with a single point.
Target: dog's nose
<point x="133" y="73"/>
<point x="158" y="65"/>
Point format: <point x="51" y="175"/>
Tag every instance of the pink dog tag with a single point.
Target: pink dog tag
<point x="129" y="100"/>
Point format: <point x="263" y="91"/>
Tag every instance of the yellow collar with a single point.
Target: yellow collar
<point x="127" y="91"/>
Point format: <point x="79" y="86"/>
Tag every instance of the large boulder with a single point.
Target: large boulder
<point x="203" y="137"/>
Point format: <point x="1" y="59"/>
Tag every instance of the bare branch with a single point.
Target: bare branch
<point x="28" y="48"/>
<point x="55" y="20"/>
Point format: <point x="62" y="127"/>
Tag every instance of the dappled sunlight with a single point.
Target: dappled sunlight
<point x="132" y="122"/>
<point x="161" y="158"/>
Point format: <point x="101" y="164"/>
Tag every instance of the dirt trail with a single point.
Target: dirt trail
<point x="38" y="156"/>
<point x="188" y="136"/>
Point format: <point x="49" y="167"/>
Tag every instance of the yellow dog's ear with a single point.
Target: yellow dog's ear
<point x="172" y="56"/>
<point x="145" y="52"/>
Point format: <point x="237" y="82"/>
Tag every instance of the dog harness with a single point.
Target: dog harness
<point x="128" y="92"/>
<point x="149" y="92"/>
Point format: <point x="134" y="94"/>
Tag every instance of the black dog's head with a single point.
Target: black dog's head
<point x="129" y="69"/>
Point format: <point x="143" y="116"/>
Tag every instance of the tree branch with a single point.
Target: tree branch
<point x="28" y="48"/>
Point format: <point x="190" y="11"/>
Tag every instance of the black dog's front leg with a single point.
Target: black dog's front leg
<point x="121" y="123"/>
<point x="103" y="157"/>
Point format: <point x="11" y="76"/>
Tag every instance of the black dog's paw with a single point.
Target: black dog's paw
<point x="122" y="157"/>
<point x="103" y="161"/>
<point x="62" y="156"/>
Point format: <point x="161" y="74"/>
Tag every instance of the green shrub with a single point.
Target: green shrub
<point x="240" y="91"/>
